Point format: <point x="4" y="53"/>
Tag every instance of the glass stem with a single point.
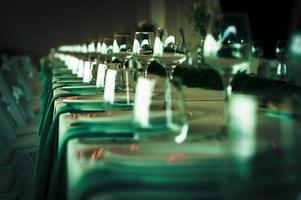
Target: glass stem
<point x="169" y="71"/>
<point x="168" y="103"/>
<point x="227" y="85"/>
<point x="227" y="80"/>
<point x="202" y="58"/>
<point x="145" y="71"/>
<point x="122" y="73"/>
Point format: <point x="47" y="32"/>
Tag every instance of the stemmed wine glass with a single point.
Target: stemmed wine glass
<point x="228" y="46"/>
<point x="84" y="48"/>
<point x="104" y="48"/>
<point x="143" y="49"/>
<point x="122" y="48"/>
<point x="92" y="47"/>
<point x="281" y="55"/>
<point x="107" y="49"/>
<point x="98" y="44"/>
<point x="257" y="49"/>
<point x="169" y="49"/>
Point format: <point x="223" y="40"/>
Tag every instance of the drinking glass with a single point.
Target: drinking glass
<point x="92" y="47"/>
<point x="257" y="66"/>
<point x="169" y="49"/>
<point x="119" y="87"/>
<point x="281" y="55"/>
<point x="159" y="111"/>
<point x="257" y="49"/>
<point x="122" y="48"/>
<point x="228" y="49"/>
<point x="98" y="46"/>
<point x="84" y="48"/>
<point x="107" y="49"/>
<point x="98" y="50"/>
<point x="143" y="47"/>
<point x="228" y="46"/>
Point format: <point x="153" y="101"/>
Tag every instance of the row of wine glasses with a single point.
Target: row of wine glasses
<point x="159" y="105"/>
<point x="227" y="47"/>
<point x="156" y="104"/>
<point x="166" y="46"/>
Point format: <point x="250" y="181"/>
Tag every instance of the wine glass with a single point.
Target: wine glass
<point x="90" y="66"/>
<point x="257" y="49"/>
<point x="257" y="66"/>
<point x="227" y="46"/>
<point x="84" y="48"/>
<point x="122" y="48"/>
<point x="91" y="47"/>
<point x="143" y="49"/>
<point x="98" y="46"/>
<point x="104" y="49"/>
<point x="169" y="49"/>
<point x="98" y="50"/>
<point x="107" y="49"/>
<point x="159" y="109"/>
<point x="119" y="87"/>
<point x="281" y="55"/>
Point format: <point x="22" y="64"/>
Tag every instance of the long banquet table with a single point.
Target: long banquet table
<point x="85" y="146"/>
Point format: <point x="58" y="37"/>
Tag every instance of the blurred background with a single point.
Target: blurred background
<point x="33" y="26"/>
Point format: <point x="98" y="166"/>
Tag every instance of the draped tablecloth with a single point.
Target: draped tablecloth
<point x="205" y="113"/>
<point x="73" y="111"/>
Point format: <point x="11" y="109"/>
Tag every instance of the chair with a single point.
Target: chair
<point x="8" y="97"/>
<point x="20" y="141"/>
<point x="17" y="158"/>
<point x="21" y="84"/>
